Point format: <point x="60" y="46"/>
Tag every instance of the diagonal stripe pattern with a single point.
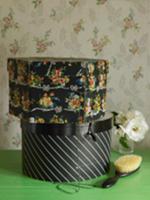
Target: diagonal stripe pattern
<point x="67" y="158"/>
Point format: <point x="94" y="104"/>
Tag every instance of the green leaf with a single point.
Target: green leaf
<point x="124" y="142"/>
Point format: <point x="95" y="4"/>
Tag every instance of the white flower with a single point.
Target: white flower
<point x="136" y="128"/>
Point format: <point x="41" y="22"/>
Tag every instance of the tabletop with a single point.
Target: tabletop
<point x="15" y="186"/>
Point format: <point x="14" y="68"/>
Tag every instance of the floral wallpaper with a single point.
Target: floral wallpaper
<point x="117" y="30"/>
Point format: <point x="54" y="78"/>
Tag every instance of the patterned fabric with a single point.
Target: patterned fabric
<point x="57" y="90"/>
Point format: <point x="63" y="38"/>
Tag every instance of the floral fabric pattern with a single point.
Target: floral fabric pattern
<point x="57" y="91"/>
<point x="58" y="78"/>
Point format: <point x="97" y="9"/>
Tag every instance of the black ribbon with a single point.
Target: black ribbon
<point x="68" y="129"/>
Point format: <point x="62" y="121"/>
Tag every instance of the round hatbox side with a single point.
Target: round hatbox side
<point x="64" y="153"/>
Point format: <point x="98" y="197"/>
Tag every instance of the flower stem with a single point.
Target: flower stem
<point x="124" y="141"/>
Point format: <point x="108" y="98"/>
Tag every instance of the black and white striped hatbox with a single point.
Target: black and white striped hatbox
<point x="66" y="152"/>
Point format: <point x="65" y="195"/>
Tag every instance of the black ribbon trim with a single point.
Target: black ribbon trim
<point x="67" y="129"/>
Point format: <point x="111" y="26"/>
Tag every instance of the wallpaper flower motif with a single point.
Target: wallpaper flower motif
<point x="78" y="26"/>
<point x="73" y="2"/>
<point x="8" y="120"/>
<point x="98" y="43"/>
<point x="8" y="23"/>
<point x="42" y="44"/>
<point x="134" y="47"/>
<point x="16" y="140"/>
<point x="129" y="23"/>
<point x="36" y="3"/>
<point x="14" y="47"/>
<point x="137" y="74"/>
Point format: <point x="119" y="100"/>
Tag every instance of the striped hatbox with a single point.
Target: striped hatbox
<point x="66" y="152"/>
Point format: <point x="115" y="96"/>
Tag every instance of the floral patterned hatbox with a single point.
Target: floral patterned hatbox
<point x="57" y="90"/>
